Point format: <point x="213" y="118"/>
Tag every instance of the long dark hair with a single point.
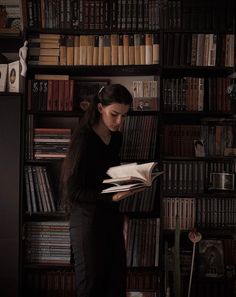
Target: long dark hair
<point x="114" y="93"/>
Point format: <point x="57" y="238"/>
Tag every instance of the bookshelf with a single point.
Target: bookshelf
<point x="11" y="164"/>
<point x="188" y="50"/>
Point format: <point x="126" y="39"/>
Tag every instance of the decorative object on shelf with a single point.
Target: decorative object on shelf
<point x="211" y="258"/>
<point x="221" y="181"/>
<point x="231" y="90"/>
<point x="15" y="82"/>
<point x="23" y="56"/>
<point x="195" y="237"/>
<point x="3" y="77"/>
<point x="199" y="148"/>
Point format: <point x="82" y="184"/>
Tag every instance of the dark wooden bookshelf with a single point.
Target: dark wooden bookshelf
<point x="115" y="70"/>
<point x="182" y="17"/>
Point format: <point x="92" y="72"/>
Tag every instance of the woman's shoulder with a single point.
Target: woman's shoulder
<point x="83" y="135"/>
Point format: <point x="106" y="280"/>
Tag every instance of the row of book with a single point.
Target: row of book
<point x="215" y="212"/>
<point x="52" y="143"/>
<point x="146" y="88"/>
<point x="192" y="49"/>
<point x="135" y="130"/>
<point x="183" y="177"/>
<point x="183" y="94"/>
<point x="202" y="15"/>
<point x="108" y="49"/>
<point x="196" y="15"/>
<point x="94" y="14"/>
<point x="142" y="242"/>
<point x="184" y="208"/>
<point x="178" y="140"/>
<point x="142" y="280"/>
<point x="140" y="202"/>
<point x="52" y="283"/>
<point x="196" y="94"/>
<point x="228" y="166"/>
<point x="51" y="94"/>
<point x="60" y="93"/>
<point x="215" y="140"/>
<point x="39" y="192"/>
<point x="203" y="212"/>
<point x="47" y="242"/>
<point x="218" y="140"/>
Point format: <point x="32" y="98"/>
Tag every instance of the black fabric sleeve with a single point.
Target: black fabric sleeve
<point x="84" y="185"/>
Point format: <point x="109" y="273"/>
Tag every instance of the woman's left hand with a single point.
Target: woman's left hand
<point x="121" y="195"/>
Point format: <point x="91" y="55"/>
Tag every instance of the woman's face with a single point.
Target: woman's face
<point x="113" y="115"/>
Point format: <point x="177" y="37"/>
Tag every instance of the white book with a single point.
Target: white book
<point x="131" y="176"/>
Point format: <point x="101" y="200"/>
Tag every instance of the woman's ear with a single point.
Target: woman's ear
<point x="100" y="107"/>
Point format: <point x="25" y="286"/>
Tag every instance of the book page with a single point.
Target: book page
<point x="122" y="188"/>
<point x="142" y="171"/>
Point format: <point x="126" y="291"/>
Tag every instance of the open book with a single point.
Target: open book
<point x="131" y="176"/>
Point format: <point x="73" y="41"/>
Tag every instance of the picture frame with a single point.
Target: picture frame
<point x="15" y="80"/>
<point x="199" y="148"/>
<point x="211" y="258"/>
<point x="145" y="104"/>
<point x="3" y="77"/>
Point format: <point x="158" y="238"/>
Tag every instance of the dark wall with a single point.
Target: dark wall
<point x="10" y="141"/>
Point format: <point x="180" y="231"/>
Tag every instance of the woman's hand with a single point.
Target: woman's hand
<point x="121" y="195"/>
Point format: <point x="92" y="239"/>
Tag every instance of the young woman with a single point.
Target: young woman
<point x="96" y="226"/>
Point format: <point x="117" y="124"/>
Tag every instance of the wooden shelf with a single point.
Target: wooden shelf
<point x="113" y="70"/>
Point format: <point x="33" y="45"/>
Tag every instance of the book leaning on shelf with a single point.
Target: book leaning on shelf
<point x="131" y="176"/>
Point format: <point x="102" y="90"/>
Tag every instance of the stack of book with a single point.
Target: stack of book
<point x="48" y="242"/>
<point x="51" y="143"/>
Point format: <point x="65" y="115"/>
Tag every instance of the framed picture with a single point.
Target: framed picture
<point x="3" y="77"/>
<point x="199" y="148"/>
<point x="15" y="80"/>
<point x="211" y="258"/>
<point x="145" y="103"/>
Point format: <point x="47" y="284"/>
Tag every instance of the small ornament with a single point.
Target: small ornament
<point x="194" y="236"/>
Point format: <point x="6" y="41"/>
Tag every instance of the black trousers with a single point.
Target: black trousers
<point x="99" y="251"/>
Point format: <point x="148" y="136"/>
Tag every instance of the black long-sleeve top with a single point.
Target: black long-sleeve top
<point x="94" y="159"/>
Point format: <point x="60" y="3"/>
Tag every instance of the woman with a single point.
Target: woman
<point x="96" y="226"/>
